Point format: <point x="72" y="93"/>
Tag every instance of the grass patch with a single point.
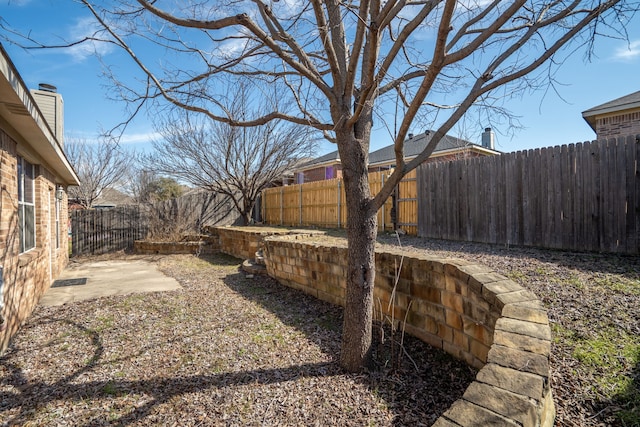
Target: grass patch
<point x="110" y="389"/>
<point x="613" y="358"/>
<point x="517" y="276"/>
<point x="618" y="283"/>
<point x="104" y="323"/>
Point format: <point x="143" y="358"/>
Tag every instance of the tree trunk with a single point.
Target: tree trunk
<point x="361" y="233"/>
<point x="246" y="217"/>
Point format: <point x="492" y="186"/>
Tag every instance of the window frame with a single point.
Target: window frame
<point x="26" y="177"/>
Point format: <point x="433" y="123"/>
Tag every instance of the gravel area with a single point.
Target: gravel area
<point x="225" y="350"/>
<point x="228" y="350"/>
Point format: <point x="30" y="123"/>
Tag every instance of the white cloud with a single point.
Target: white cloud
<point x="628" y="52"/>
<point x="86" y="27"/>
<point x="126" y="139"/>
<point x="139" y="138"/>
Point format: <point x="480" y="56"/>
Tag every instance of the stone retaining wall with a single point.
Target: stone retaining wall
<point x="244" y="242"/>
<point x="208" y="245"/>
<point x="466" y="309"/>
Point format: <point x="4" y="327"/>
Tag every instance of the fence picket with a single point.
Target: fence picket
<point x="583" y="196"/>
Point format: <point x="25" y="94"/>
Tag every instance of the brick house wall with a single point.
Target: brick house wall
<point x="625" y="123"/>
<point x="320" y="173"/>
<point x="25" y="277"/>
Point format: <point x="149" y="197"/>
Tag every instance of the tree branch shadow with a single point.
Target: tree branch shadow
<point x="28" y="395"/>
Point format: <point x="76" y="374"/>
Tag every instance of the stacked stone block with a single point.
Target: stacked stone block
<point x="144" y="247"/>
<point x="241" y="242"/>
<point x="466" y="309"/>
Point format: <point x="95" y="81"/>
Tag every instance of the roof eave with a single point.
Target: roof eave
<point x="590" y="115"/>
<point x="440" y="153"/>
<point x="20" y="111"/>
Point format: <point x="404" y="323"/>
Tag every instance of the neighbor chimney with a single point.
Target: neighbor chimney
<point x="51" y="105"/>
<point x="488" y="139"/>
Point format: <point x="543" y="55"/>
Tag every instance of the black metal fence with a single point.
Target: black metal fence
<point x="99" y="231"/>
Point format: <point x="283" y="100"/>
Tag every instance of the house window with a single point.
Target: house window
<point x="328" y="172"/>
<point x="300" y="178"/>
<point x="26" y="205"/>
<point x="57" y="202"/>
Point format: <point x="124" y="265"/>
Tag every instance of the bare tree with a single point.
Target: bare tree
<point x="238" y="162"/>
<point x="99" y="166"/>
<point x="139" y="186"/>
<point x="342" y="62"/>
<point x="147" y="187"/>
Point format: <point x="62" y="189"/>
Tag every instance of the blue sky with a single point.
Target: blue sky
<point x="548" y="119"/>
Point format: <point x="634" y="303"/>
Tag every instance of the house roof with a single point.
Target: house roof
<point x="20" y="111"/>
<point x="412" y="148"/>
<point x="111" y="196"/>
<point x="326" y="159"/>
<point x="626" y="102"/>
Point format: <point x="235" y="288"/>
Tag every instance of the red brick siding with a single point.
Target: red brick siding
<point x="27" y="276"/>
<point x="319" y="174"/>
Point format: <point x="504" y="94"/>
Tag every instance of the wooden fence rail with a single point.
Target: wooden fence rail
<point x="323" y="204"/>
<point x="583" y="197"/>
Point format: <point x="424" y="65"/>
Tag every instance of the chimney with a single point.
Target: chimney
<point x="51" y="105"/>
<point x="410" y="136"/>
<point x="488" y="139"/>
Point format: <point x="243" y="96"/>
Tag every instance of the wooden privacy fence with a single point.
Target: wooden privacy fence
<point x="323" y="204"/>
<point x="100" y="231"/>
<point x="583" y="197"/>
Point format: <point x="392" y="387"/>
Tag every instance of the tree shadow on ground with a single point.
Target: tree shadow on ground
<point x="31" y="395"/>
<point x="624" y="408"/>
<point x="418" y="382"/>
<point x="416" y="390"/>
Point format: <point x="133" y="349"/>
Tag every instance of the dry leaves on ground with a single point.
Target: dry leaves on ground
<point x="224" y="350"/>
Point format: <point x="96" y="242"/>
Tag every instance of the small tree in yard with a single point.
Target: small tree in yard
<point x="99" y="166"/>
<point x="238" y="162"/>
<point x="342" y="63"/>
<point x="147" y="187"/>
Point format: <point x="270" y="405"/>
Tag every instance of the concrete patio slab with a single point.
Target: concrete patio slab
<point x="89" y="280"/>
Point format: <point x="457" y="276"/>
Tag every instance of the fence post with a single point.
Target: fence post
<point x="385" y="202"/>
<point x="339" y="199"/>
<point x="300" y="204"/>
<point x="281" y="205"/>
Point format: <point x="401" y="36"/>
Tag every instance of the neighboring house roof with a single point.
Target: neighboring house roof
<point x="412" y="148"/>
<point x="112" y="197"/>
<point x="416" y="145"/>
<point x="20" y="110"/>
<point x="327" y="159"/>
<point x="626" y="102"/>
